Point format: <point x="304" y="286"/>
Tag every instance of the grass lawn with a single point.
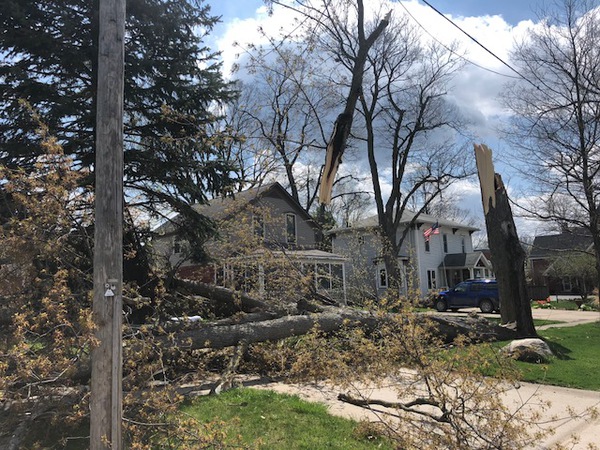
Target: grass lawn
<point x="577" y="351"/>
<point x="281" y="421"/>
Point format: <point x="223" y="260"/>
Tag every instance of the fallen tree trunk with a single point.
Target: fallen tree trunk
<point x="333" y="319"/>
<point x="226" y="302"/>
<point x="218" y="336"/>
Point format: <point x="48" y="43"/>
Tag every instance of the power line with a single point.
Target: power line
<point x="476" y="41"/>
<point x="454" y="52"/>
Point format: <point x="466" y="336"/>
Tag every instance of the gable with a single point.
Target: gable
<point x="578" y="239"/>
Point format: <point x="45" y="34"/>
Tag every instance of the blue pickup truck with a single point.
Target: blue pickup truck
<point x="480" y="293"/>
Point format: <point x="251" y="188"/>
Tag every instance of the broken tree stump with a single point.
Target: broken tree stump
<point x="508" y="256"/>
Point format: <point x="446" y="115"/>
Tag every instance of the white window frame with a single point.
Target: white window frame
<point x="381" y="270"/>
<point x="445" y="242"/>
<point x="431" y="280"/>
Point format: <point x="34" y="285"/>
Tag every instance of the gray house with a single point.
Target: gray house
<point x="267" y="242"/>
<point x="443" y="259"/>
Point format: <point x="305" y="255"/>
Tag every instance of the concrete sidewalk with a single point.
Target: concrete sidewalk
<point x="566" y="317"/>
<point x="569" y="414"/>
<point x="569" y="318"/>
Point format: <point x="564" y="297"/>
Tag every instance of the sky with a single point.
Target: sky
<point x="496" y="24"/>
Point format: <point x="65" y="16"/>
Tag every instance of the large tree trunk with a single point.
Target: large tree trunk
<point x="448" y="328"/>
<point x="218" y="335"/>
<point x="226" y="302"/>
<point x="508" y="256"/>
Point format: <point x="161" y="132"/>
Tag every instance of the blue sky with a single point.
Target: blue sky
<point x="497" y="24"/>
<point x="512" y="11"/>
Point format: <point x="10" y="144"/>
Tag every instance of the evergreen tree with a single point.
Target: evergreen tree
<point x="48" y="57"/>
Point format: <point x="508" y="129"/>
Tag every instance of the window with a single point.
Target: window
<point x="290" y="228"/>
<point x="431" y="276"/>
<point x="427" y="246"/>
<point x="258" y="224"/>
<point x="179" y="245"/>
<point x="445" y="240"/>
<point x="323" y="276"/>
<point x="462" y="244"/>
<point x="330" y="276"/>
<point x="382" y="280"/>
<point x="461" y="287"/>
<point x="337" y="276"/>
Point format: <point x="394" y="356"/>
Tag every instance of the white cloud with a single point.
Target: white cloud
<point x="474" y="91"/>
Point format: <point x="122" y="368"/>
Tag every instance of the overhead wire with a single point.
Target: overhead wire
<point x="477" y="42"/>
<point x="453" y="51"/>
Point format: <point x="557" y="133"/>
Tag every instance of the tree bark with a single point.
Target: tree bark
<point x="508" y="256"/>
<point x="226" y="301"/>
<point x="333" y="319"/>
<point x="197" y="336"/>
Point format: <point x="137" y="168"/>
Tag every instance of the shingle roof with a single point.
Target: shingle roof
<point x="220" y="208"/>
<point x="407" y="216"/>
<point x="223" y="207"/>
<point x="461" y="259"/>
<point x="549" y="245"/>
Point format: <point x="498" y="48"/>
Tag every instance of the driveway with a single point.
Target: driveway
<point x="567" y="318"/>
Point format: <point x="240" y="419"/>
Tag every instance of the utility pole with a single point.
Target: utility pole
<point x="106" y="409"/>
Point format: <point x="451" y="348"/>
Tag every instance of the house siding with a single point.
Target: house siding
<point x="275" y="232"/>
<point x="365" y="257"/>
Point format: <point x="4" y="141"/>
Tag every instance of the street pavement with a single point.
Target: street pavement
<point x="569" y="413"/>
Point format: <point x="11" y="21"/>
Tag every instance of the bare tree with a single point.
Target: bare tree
<point x="410" y="130"/>
<point x="556" y="115"/>
<point x="342" y="30"/>
<point x="283" y="110"/>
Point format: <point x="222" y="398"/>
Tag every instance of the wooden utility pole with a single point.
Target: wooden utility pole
<point x="508" y="256"/>
<point x="106" y="395"/>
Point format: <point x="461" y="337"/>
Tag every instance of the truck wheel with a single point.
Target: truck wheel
<point x="441" y="305"/>
<point x="486" y="305"/>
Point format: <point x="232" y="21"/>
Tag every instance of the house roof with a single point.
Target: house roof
<point x="221" y="207"/>
<point x="310" y="254"/>
<point x="578" y="239"/>
<point x="462" y="259"/>
<point x="407" y="217"/>
<point x="225" y="207"/>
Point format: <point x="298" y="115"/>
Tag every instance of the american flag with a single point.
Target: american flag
<point x="433" y="229"/>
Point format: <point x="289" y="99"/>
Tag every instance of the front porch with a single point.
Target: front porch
<point x="458" y="267"/>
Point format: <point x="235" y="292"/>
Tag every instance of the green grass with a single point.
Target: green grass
<point x="575" y="364"/>
<point x="569" y="305"/>
<point x="577" y="355"/>
<point x="281" y="421"/>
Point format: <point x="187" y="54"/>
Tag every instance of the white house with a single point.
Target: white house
<point x="443" y="260"/>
